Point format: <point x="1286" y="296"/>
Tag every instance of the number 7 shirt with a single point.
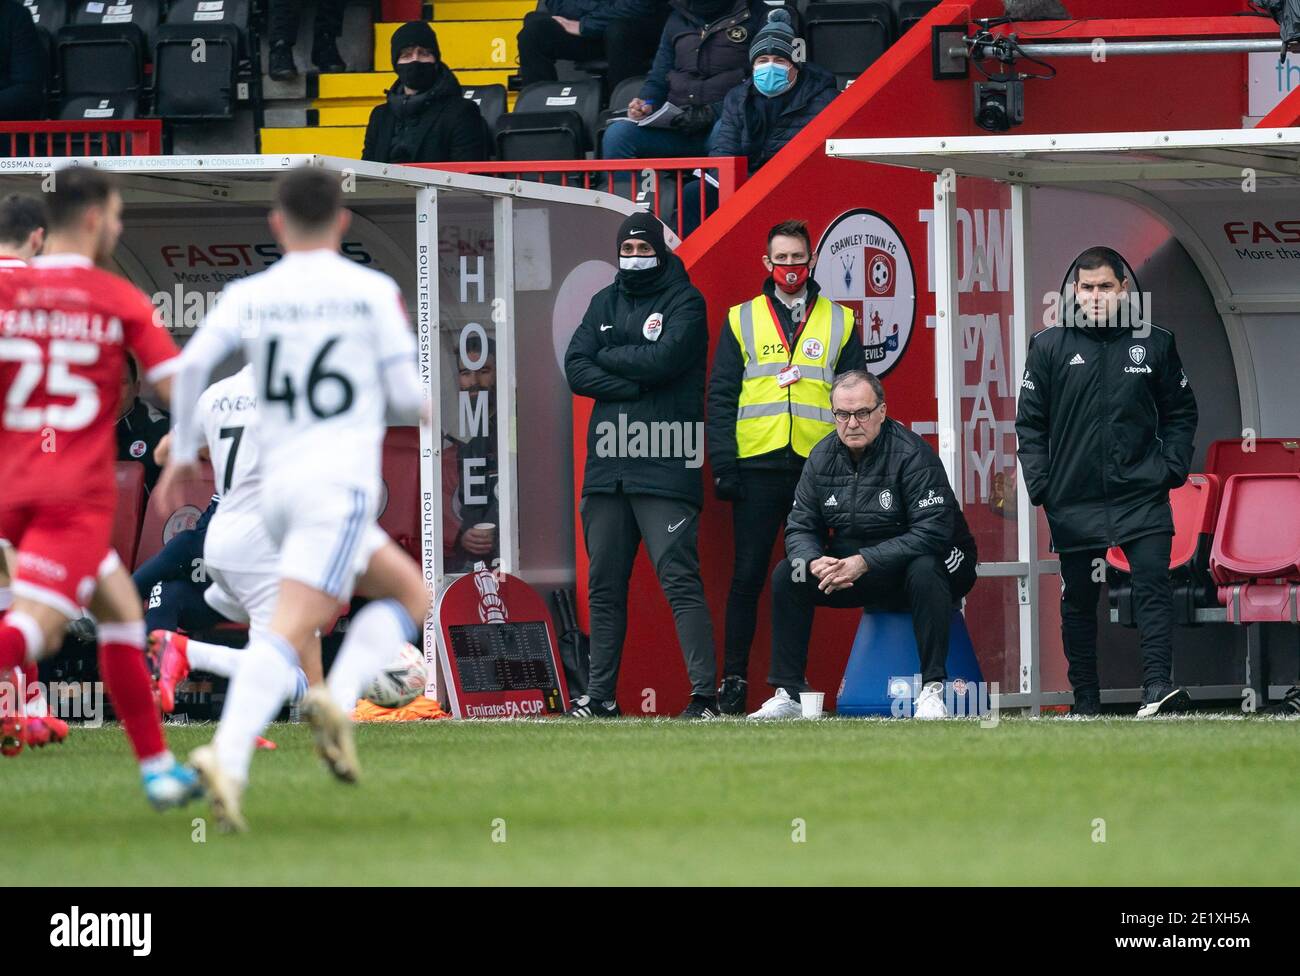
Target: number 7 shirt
<point x="65" y="329"/>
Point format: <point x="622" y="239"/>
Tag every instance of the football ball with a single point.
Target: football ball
<point x="400" y="681"/>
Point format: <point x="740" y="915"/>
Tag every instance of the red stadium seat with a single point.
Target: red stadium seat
<point x="160" y="526"/>
<point x="130" y="508"/>
<point x="1270" y="455"/>
<point x="1194" y="505"/>
<point x="1258" y="535"/>
<point x="399" y="513"/>
<point x="1249" y="603"/>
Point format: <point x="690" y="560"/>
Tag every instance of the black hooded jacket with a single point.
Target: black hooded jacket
<point x="436" y="126"/>
<point x="1105" y="424"/>
<point x="639" y="382"/>
<point x="889" y="507"/>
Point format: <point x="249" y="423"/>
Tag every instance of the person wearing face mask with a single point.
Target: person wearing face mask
<point x="641" y="353"/>
<point x="703" y="53"/>
<point x="766" y="110"/>
<point x="426" y="118"/>
<point x="769" y="403"/>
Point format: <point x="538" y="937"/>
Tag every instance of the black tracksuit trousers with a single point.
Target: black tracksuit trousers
<point x="1153" y="607"/>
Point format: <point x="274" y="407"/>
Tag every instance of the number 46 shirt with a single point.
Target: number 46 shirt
<point x="65" y="328"/>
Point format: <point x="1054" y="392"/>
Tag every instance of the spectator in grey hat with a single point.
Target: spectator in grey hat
<point x="766" y="110"/>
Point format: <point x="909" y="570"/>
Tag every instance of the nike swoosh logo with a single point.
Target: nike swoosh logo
<point x="633" y="233"/>
<point x="603" y="328"/>
<point x="674" y="528"/>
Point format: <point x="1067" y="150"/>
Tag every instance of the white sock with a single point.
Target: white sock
<point x="257" y="692"/>
<point x="373" y="639"/>
<point x="214" y="658"/>
<point x="225" y="661"/>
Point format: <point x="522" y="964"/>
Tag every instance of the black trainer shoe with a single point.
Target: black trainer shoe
<point x="325" y="56"/>
<point x="1163" y="698"/>
<point x="281" y="66"/>
<point x="586" y="707"/>
<point x="700" y="709"/>
<point x="1087" y="702"/>
<point x="732" y="695"/>
<point x="1289" y="705"/>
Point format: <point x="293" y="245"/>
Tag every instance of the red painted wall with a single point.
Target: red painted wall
<point x="896" y="97"/>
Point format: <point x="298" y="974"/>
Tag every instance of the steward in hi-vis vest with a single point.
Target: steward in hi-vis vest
<point x="768" y="405"/>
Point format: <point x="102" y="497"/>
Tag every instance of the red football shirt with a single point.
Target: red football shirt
<point x="65" y="326"/>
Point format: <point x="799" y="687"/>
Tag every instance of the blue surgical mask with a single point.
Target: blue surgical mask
<point x="771" y="79"/>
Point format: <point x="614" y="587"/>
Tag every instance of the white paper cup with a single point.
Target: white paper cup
<point x="812" y="702"/>
<point x="485" y="526"/>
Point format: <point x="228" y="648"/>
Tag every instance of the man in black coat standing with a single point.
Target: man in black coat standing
<point x="426" y="118"/>
<point x="641" y="354"/>
<point x="1105" y="425"/>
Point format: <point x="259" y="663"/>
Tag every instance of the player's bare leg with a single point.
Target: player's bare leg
<point x="116" y="606"/>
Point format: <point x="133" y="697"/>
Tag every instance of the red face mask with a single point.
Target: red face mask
<point x="790" y="277"/>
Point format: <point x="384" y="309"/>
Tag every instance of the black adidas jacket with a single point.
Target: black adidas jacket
<point x="648" y="384"/>
<point x="892" y="506"/>
<point x="1105" y="424"/>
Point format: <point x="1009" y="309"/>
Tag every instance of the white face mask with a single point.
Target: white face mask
<point x="638" y="263"/>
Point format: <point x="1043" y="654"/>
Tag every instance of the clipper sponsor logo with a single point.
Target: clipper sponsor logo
<point x="102" y="930"/>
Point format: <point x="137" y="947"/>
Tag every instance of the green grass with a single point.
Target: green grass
<point x="656" y="802"/>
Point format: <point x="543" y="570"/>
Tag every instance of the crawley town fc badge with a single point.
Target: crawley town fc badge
<point x="137" y="449"/>
<point x="862" y="262"/>
<point x="812" y="349"/>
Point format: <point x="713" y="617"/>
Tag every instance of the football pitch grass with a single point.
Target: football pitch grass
<point x="1183" y="801"/>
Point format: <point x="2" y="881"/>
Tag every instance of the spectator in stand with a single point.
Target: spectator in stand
<point x="140" y="426"/>
<point x="427" y="118"/>
<point x="764" y="112"/>
<point x="623" y="32"/>
<point x="22" y="65"/>
<point x="470" y="513"/>
<point x="703" y="54"/>
<point x="284" y="18"/>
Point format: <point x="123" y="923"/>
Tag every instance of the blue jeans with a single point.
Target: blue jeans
<point x="626" y="140"/>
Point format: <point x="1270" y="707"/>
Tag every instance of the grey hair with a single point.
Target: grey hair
<point x="855" y="376"/>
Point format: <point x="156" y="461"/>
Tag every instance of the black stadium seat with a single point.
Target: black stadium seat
<point x="846" y="38"/>
<point x="557" y="134"/>
<point x="99" y="60"/>
<point x="582" y="97"/>
<point x="186" y="88"/>
<point x="144" y="14"/>
<point x="99" y="108"/>
<point x="491" y="102"/>
<point x="911" y="11"/>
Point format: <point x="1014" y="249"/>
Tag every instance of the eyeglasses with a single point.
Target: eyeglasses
<point x="863" y="415"/>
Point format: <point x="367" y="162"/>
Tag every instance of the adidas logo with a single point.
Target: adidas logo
<point x="831" y="502"/>
<point x="954" y="559"/>
<point x="1077" y="360"/>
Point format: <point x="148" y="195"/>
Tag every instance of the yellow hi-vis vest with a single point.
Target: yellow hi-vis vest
<point x="769" y="417"/>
